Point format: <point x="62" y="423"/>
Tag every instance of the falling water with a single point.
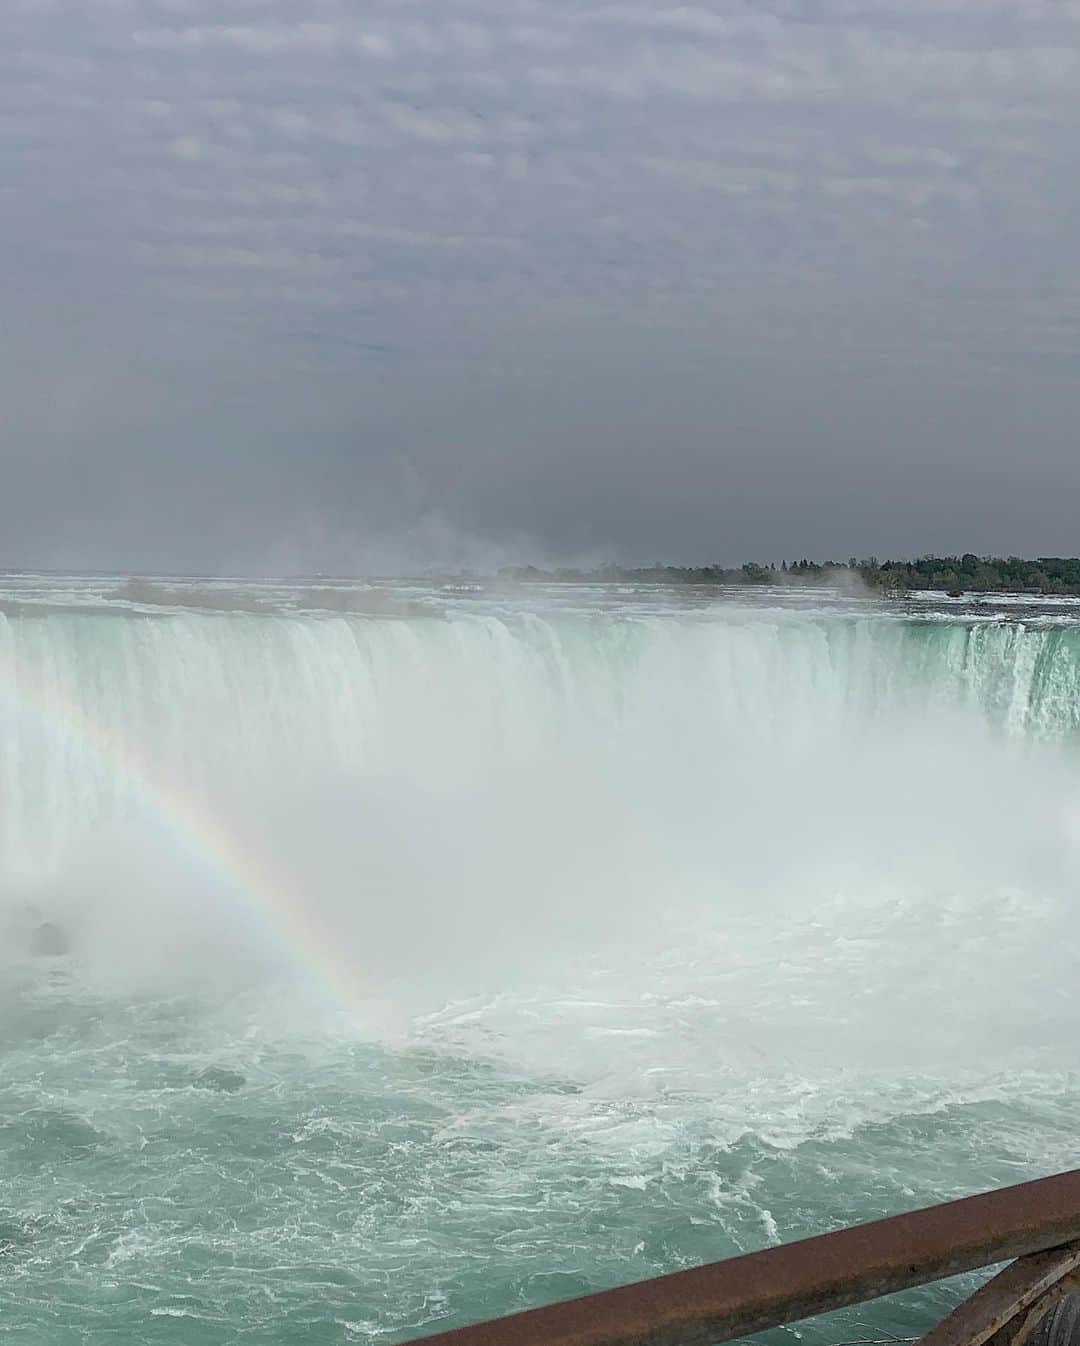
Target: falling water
<point x="674" y="926"/>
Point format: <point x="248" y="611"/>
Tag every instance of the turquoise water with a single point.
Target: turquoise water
<point x="677" y="931"/>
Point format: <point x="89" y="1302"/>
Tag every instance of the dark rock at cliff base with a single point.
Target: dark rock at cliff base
<point x="49" y="941"/>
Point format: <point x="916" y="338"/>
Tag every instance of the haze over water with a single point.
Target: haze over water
<point x="675" y="924"/>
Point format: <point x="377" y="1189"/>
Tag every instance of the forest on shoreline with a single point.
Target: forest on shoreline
<point x="947" y="574"/>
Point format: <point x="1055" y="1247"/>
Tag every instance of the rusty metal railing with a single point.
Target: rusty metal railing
<point x="1037" y="1223"/>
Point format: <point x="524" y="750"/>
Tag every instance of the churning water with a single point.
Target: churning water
<point x="436" y="952"/>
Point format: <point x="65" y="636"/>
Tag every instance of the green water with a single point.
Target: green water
<point x="173" y="1172"/>
<point x="675" y="934"/>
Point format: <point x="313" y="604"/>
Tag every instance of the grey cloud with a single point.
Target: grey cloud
<point x="701" y="280"/>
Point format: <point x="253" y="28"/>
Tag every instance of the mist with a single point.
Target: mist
<point x="782" y="816"/>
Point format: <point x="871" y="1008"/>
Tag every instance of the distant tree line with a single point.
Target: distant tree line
<point x="960" y="574"/>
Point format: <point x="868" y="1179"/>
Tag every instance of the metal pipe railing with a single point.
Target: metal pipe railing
<point x="742" y="1295"/>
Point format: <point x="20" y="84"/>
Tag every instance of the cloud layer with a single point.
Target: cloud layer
<point x="420" y="283"/>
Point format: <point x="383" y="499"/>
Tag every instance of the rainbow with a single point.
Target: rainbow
<point x="193" y="828"/>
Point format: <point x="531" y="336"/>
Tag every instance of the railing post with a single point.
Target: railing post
<point x="1008" y="1308"/>
<point x="1061" y="1326"/>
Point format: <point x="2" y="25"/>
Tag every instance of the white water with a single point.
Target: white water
<point x="762" y="917"/>
<point x="456" y="796"/>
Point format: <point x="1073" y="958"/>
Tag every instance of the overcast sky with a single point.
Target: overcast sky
<point x="362" y="284"/>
